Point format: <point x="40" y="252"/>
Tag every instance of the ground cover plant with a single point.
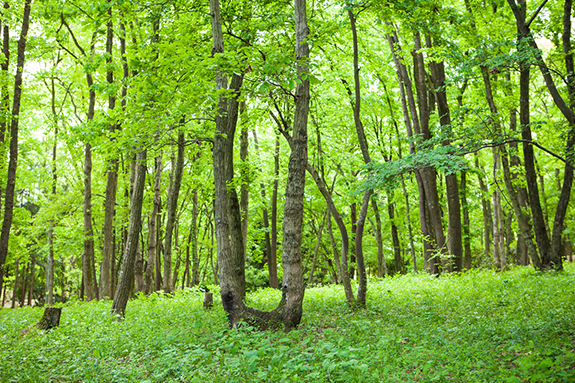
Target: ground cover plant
<point x="481" y="326"/>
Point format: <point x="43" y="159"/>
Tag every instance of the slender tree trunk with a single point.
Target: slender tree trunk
<point x="195" y="255"/>
<point x="172" y="205"/>
<point x="112" y="173"/>
<point x="316" y="249"/>
<point x="398" y="261"/>
<point x="16" y="280"/>
<point x="151" y="249"/>
<point x="381" y="263"/>
<point x="466" y="222"/>
<point x="244" y="175"/>
<point x="269" y="255"/>
<point x="32" y="276"/>
<point x="14" y="125"/>
<point x="50" y="234"/>
<point x="125" y="280"/>
<point x="272" y="260"/>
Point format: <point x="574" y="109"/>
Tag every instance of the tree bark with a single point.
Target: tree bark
<point x="172" y="205"/>
<point x="14" y="125"/>
<point x="112" y="172"/>
<point x="244" y="175"/>
<point x="125" y="280"/>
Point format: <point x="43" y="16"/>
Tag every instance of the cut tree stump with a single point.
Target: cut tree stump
<point x="50" y="319"/>
<point x="208" y="300"/>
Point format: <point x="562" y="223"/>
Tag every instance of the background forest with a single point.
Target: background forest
<point x="439" y="139"/>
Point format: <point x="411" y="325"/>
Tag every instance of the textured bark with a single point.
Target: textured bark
<point x="14" y="125"/>
<point x="293" y="287"/>
<point x="428" y="180"/>
<point x="550" y="250"/>
<point x="149" y="285"/>
<point x="172" y="205"/>
<point x="50" y="318"/>
<point x="125" y="279"/>
<point x="454" y="231"/>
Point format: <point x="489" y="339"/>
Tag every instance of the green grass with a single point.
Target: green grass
<point x="481" y="326"/>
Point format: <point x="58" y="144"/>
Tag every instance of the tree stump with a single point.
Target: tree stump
<point x="208" y="300"/>
<point x="50" y="319"/>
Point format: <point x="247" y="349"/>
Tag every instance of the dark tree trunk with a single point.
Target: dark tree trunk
<point x="112" y="174"/>
<point x="125" y="280"/>
<point x="14" y="125"/>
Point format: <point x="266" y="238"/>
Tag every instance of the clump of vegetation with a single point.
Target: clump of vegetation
<point x="481" y="326"/>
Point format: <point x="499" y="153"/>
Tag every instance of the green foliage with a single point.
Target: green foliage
<point x="480" y="326"/>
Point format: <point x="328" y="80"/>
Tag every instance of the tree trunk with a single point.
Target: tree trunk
<point x="381" y="263"/>
<point x="195" y="255"/>
<point x="125" y="280"/>
<point x="112" y="173"/>
<point x="270" y="256"/>
<point x="244" y="175"/>
<point x="466" y="222"/>
<point x="316" y="249"/>
<point x="172" y="205"/>
<point x="272" y="260"/>
<point x="16" y="276"/>
<point x="14" y="125"/>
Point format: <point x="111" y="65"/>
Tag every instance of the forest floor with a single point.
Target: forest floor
<point x="481" y="326"/>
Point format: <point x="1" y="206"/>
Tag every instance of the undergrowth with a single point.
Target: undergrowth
<point x="481" y="326"/>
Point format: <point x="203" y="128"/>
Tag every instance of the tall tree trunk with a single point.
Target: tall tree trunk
<point x="16" y="280"/>
<point x="172" y="205"/>
<point x="151" y="266"/>
<point x="466" y="222"/>
<point x="381" y="263"/>
<point x="362" y="288"/>
<point x="293" y="287"/>
<point x="195" y="255"/>
<point x="272" y="267"/>
<point x="125" y="280"/>
<point x="50" y="234"/>
<point x="454" y="232"/>
<point x="32" y="276"/>
<point x="316" y="249"/>
<point x="272" y="260"/>
<point x="244" y="175"/>
<point x="13" y="162"/>
<point x="112" y="172"/>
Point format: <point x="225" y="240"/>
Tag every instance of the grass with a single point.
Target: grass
<point x="482" y="326"/>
